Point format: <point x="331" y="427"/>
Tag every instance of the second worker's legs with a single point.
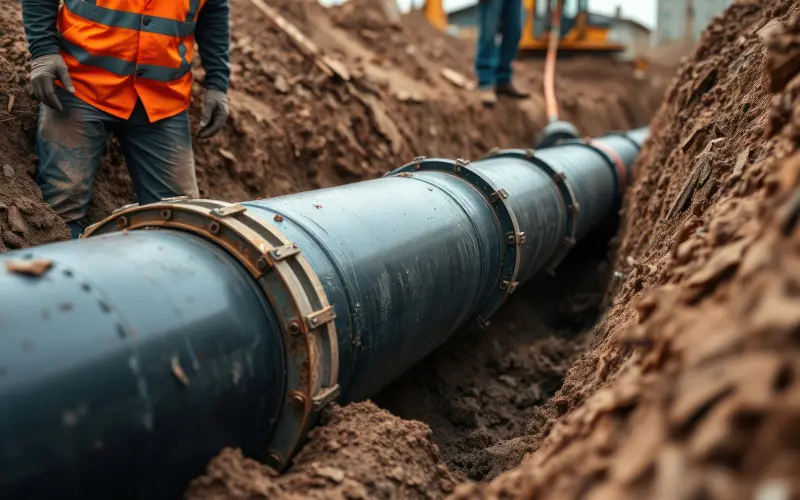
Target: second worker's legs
<point x="512" y="20"/>
<point x="486" y="52"/>
<point x="159" y="156"/>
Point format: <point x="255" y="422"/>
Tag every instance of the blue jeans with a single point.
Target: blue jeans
<point x="69" y="144"/>
<point x="493" y="61"/>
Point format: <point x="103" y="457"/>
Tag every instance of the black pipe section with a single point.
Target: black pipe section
<point x="181" y="327"/>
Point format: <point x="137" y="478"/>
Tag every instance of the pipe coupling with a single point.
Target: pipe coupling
<point x="289" y="284"/>
<point x="568" y="198"/>
<point x="496" y="197"/>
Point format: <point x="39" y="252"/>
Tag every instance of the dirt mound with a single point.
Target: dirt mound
<point x="24" y="219"/>
<point x="332" y="465"/>
<point x="690" y="388"/>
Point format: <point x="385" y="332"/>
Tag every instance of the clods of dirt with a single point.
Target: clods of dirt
<point x="402" y="462"/>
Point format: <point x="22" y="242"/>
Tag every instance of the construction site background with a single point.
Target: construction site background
<point x="664" y="364"/>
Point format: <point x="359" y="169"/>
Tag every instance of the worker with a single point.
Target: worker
<point x="493" y="62"/>
<point x="123" y="67"/>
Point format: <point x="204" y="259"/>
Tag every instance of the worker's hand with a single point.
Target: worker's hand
<point x="44" y="71"/>
<point x="215" y="112"/>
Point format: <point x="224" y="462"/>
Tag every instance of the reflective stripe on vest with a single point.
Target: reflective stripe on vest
<point x="122" y="67"/>
<point x="138" y="22"/>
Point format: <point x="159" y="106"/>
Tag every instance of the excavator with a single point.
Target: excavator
<point x="580" y="31"/>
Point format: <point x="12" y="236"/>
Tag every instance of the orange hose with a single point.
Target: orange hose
<point x="551" y="104"/>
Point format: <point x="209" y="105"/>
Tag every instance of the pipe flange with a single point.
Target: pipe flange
<point x="571" y="205"/>
<point x="507" y="222"/>
<point x="289" y="284"/>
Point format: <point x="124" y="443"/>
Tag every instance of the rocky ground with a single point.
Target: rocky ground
<point x="668" y="370"/>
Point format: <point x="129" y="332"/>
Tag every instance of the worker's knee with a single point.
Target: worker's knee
<point x="65" y="182"/>
<point x="66" y="161"/>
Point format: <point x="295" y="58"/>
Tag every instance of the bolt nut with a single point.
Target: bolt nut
<point x="262" y="264"/>
<point x="313" y="321"/>
<point x="214" y="227"/>
<point x="511" y="240"/>
<point x="274" y="460"/>
<point x="122" y="221"/>
<point x="294" y="327"/>
<point x="166" y="214"/>
<point x="298" y="399"/>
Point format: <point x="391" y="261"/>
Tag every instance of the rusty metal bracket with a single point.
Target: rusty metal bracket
<point x="283" y="252"/>
<point x="321" y="317"/>
<point x="509" y="286"/>
<point x="516" y="238"/>
<point x="228" y="211"/>
<point x="500" y="194"/>
<point x="290" y="285"/>
<point x="324" y="398"/>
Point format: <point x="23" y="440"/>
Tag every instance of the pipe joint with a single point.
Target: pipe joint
<point x="568" y="197"/>
<point x="497" y="198"/>
<point x="294" y="291"/>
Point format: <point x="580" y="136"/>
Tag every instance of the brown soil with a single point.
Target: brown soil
<point x="402" y="463"/>
<point x="293" y="128"/>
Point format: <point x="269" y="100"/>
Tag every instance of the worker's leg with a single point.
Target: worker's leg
<point x="486" y="54"/>
<point x="159" y="156"/>
<point x="512" y="19"/>
<point x="69" y="144"/>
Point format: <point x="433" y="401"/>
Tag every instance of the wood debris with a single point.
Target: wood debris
<point x="35" y="268"/>
<point x="457" y="79"/>
<point x="177" y="371"/>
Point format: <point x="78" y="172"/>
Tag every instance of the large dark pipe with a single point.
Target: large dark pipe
<point x="130" y="357"/>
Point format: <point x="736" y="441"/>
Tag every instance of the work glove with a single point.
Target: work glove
<point x="44" y="71"/>
<point x="215" y="112"/>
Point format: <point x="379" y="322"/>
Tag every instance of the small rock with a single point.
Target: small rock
<point x="508" y="380"/>
<point x="25" y="205"/>
<point x="8" y="171"/>
<point x="332" y="473"/>
<point x="397" y="474"/>
<point x="227" y="154"/>
<point x="15" y="221"/>
<point x="281" y="85"/>
<point x="13" y="240"/>
<point x="3" y="207"/>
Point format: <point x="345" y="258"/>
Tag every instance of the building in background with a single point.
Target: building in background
<point x="673" y="17"/>
<point x="636" y="37"/>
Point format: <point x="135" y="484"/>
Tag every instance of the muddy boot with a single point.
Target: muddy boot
<point x="509" y="90"/>
<point x="487" y="96"/>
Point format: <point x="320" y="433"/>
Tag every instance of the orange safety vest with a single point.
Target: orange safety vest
<point x="119" y="51"/>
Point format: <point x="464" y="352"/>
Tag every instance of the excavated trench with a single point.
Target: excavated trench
<point x="483" y="388"/>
